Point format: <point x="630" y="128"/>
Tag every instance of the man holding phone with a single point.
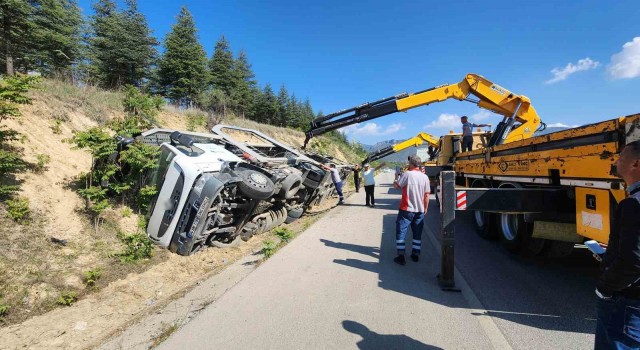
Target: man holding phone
<point x="413" y="208"/>
<point x="618" y="287"/>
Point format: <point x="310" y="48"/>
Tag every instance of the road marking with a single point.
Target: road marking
<point x="496" y="337"/>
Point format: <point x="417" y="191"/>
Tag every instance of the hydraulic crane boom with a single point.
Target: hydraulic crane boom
<point x="416" y="141"/>
<point x="514" y="108"/>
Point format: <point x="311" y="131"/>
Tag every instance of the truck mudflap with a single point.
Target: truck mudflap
<point x="190" y="233"/>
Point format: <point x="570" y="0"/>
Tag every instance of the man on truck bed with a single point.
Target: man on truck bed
<point x="618" y="287"/>
<point x="467" y="133"/>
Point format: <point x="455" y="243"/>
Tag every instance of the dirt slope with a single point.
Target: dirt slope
<point x="34" y="271"/>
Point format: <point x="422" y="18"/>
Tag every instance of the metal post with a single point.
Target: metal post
<point x="447" y="229"/>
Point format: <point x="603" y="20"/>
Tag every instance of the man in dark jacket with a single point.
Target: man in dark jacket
<point x="618" y="287"/>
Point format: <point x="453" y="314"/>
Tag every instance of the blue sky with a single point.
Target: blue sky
<point x="578" y="61"/>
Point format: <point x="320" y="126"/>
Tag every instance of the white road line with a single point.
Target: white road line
<point x="496" y="337"/>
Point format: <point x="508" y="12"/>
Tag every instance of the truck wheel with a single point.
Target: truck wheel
<point x="290" y="186"/>
<point x="485" y="224"/>
<point x="232" y="243"/>
<point x="255" y="185"/>
<point x="513" y="230"/>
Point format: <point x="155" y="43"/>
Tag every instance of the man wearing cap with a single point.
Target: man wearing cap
<point x="413" y="207"/>
<point x="467" y="133"/>
<point x="368" y="176"/>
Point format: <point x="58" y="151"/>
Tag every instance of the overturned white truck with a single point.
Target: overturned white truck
<point x="213" y="191"/>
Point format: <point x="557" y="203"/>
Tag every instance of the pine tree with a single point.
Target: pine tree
<point x="246" y="91"/>
<point x="139" y="46"/>
<point x="221" y="66"/>
<point x="15" y="34"/>
<point x="57" y="35"/>
<point x="103" y="43"/>
<point x="183" y="68"/>
<point x="121" y="47"/>
<point x="283" y="102"/>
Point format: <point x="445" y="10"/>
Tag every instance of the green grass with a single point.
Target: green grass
<point x="67" y="298"/>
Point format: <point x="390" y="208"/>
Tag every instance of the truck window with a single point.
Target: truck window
<point x="157" y="176"/>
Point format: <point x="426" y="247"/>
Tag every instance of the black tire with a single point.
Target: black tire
<point x="486" y="224"/>
<point x="515" y="235"/>
<point x="255" y="184"/>
<point x="290" y="186"/>
<point x="513" y="229"/>
<point x="233" y="243"/>
<point x="293" y="215"/>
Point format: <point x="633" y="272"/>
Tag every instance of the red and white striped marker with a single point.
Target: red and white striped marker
<point x="462" y="200"/>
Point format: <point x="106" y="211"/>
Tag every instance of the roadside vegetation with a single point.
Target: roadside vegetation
<point x="71" y="217"/>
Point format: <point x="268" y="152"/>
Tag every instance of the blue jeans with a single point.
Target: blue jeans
<point x="467" y="143"/>
<point x="403" y="221"/>
<point x="339" y="190"/>
<point x="618" y="325"/>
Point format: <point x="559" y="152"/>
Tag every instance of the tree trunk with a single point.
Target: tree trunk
<point x="6" y="25"/>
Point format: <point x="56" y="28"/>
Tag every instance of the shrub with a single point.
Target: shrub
<point x="126" y="212"/>
<point x="18" y="209"/>
<point x="67" y="298"/>
<point x="137" y="247"/>
<point x="195" y="121"/>
<point x="268" y="248"/>
<point x="91" y="276"/>
<point x="56" y="126"/>
<point x="284" y="233"/>
<point x="4" y="309"/>
<point x="41" y="165"/>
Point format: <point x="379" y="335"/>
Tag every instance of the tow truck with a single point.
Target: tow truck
<point x="560" y="187"/>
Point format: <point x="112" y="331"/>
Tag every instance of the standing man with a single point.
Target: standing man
<point x="356" y="177"/>
<point x="413" y="208"/>
<point x="337" y="181"/>
<point x="467" y="133"/>
<point x="618" y="287"/>
<point x="368" y="175"/>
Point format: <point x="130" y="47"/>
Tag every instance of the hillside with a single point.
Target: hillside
<point x="50" y="255"/>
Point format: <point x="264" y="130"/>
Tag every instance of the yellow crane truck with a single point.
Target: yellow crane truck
<point x="415" y="141"/>
<point x="567" y="176"/>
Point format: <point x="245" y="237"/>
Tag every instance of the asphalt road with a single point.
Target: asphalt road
<point x="336" y="287"/>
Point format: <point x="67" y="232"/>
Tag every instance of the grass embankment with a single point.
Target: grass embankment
<point x="55" y="256"/>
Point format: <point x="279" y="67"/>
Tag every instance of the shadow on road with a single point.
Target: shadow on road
<point x="549" y="294"/>
<point x="372" y="340"/>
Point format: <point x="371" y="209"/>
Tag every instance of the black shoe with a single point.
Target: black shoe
<point x="399" y="260"/>
<point x="415" y="258"/>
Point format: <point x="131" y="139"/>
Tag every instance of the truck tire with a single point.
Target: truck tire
<point x="513" y="229"/>
<point x="290" y="186"/>
<point x="255" y="184"/>
<point x="486" y="224"/>
<point x="233" y="243"/>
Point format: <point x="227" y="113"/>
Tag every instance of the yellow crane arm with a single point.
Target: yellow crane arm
<point x="514" y="108"/>
<point x="415" y="141"/>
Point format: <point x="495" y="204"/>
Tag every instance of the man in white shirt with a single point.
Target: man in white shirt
<point x="337" y="181"/>
<point x="413" y="208"/>
<point x="368" y="177"/>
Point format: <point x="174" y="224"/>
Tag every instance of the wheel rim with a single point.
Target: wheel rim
<point x="258" y="179"/>
<point x="509" y="226"/>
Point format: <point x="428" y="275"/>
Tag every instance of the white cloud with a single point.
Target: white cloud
<point x="626" y="63"/>
<point x="582" y="65"/>
<point x="445" y="120"/>
<point x="482" y="115"/>
<point x="372" y="129"/>
<point x="452" y="121"/>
